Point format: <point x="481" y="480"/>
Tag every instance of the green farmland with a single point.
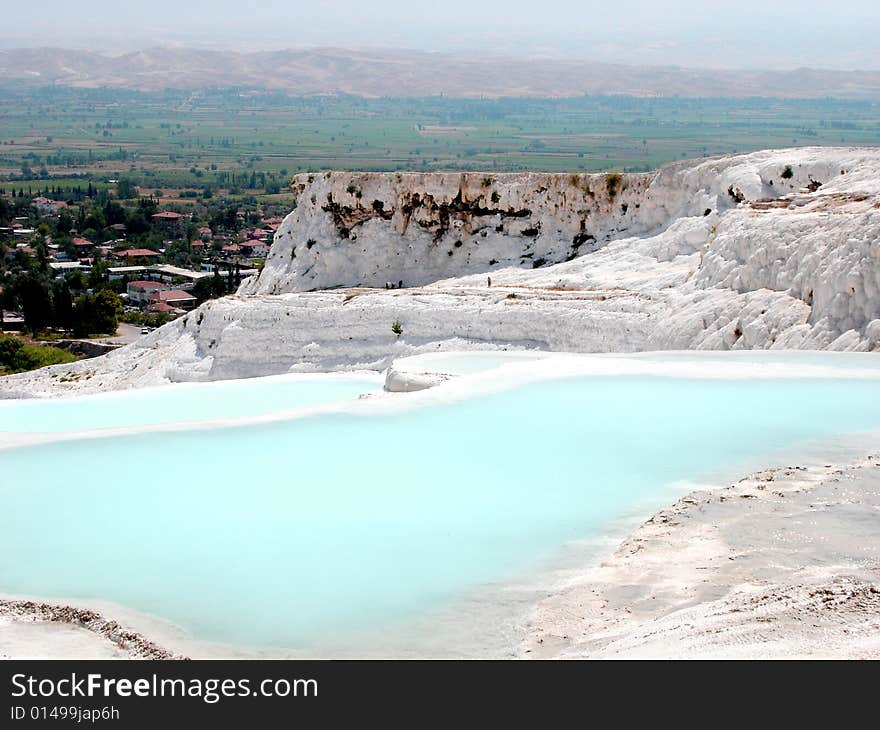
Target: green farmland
<point x="245" y="142"/>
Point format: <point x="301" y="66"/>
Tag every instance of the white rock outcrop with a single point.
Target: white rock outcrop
<point x="773" y="249"/>
<point x="397" y="381"/>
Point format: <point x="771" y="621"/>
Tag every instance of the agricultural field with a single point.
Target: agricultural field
<point x="179" y="146"/>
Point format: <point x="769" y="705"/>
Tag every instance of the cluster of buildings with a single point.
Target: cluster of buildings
<point x="20" y="234"/>
<point x="255" y="245"/>
<point x="150" y="285"/>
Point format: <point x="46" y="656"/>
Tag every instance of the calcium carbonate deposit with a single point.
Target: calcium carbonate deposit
<point x="771" y="250"/>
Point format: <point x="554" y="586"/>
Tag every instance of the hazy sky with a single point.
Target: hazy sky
<point x="736" y="33"/>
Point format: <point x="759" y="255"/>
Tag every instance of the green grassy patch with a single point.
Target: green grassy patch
<point x="18" y="355"/>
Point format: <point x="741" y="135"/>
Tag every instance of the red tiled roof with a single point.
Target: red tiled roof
<point x="232" y="247"/>
<point x="168" y="215"/>
<point x="142" y="284"/>
<point x="171" y="295"/>
<point x="81" y="242"/>
<point x="136" y="253"/>
<point x="159" y="307"/>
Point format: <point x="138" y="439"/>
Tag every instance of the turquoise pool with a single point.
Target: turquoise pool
<point x="302" y="531"/>
<point x="180" y="403"/>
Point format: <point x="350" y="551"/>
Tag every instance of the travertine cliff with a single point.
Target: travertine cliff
<point x="373" y="229"/>
<point x="774" y="249"/>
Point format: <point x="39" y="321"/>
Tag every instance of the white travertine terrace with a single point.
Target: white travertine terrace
<point x="775" y="249"/>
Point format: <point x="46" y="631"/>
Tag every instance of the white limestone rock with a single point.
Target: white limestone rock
<point x="773" y="249"/>
<point x="406" y="382"/>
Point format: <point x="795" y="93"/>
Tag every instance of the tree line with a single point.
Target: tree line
<point x="47" y="303"/>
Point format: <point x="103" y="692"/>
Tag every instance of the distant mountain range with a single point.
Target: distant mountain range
<point x="411" y="73"/>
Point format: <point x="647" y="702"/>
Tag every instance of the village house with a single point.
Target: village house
<point x="45" y="206"/>
<point x="174" y="298"/>
<point x="83" y="246"/>
<point x="254" y="248"/>
<point x="168" y="273"/>
<point x="62" y="267"/>
<point x="56" y="253"/>
<point x="115" y="273"/>
<point x="170" y="221"/>
<point x="162" y="308"/>
<point x="12" y="322"/>
<point x="19" y="248"/>
<point x="139" y="292"/>
<point x="135" y="254"/>
<point x="259" y="234"/>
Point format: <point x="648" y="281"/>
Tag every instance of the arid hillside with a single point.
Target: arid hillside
<point x="413" y="73"/>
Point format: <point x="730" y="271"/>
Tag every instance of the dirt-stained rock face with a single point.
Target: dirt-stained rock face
<point x="346" y="217"/>
<point x="410" y="229"/>
<point x="369" y="229"/>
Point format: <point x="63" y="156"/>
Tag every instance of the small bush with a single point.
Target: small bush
<point x="787" y="173"/>
<point x="397" y="328"/>
<point x="612" y="184"/>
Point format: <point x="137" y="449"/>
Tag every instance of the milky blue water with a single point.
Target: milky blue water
<point x="306" y="531"/>
<point x="839" y="360"/>
<point x="178" y="403"/>
<point x="473" y="362"/>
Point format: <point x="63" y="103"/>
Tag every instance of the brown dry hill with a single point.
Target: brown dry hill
<point x="412" y="73"/>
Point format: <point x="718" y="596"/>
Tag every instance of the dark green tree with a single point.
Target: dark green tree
<point x="96" y="313"/>
<point x="62" y="304"/>
<point x="126" y="189"/>
<point x="210" y="287"/>
<point x="36" y="302"/>
<point x="99" y="275"/>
